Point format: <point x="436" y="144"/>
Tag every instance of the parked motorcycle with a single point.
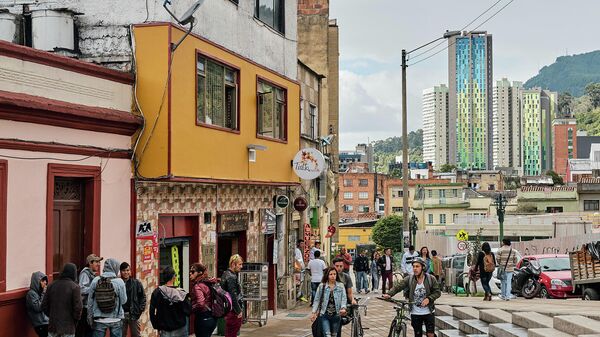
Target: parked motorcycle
<point x="526" y="280"/>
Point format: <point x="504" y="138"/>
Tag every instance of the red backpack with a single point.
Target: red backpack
<point x="221" y="303"/>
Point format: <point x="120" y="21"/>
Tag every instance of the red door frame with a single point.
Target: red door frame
<point x="92" y="205"/>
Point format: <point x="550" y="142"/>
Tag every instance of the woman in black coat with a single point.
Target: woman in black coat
<point x="486" y="258"/>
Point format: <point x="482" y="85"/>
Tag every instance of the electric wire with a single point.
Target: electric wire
<point x="454" y="42"/>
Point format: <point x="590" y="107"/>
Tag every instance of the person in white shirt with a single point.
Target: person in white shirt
<point x="316" y="267"/>
<point x="316" y="247"/>
<point x="407" y="259"/>
<point x="299" y="267"/>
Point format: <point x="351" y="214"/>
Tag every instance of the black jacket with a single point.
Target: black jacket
<point x="361" y="264"/>
<point x="169" y="308"/>
<point x="62" y="302"/>
<point x="136" y="298"/>
<point x="34" y="299"/>
<point x="381" y="263"/>
<point x="230" y="283"/>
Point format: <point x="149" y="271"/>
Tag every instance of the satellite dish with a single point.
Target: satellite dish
<point x="188" y="16"/>
<point x="327" y="140"/>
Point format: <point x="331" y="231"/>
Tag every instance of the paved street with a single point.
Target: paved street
<point x="296" y="323"/>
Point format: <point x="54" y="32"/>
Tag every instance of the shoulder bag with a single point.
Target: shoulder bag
<point x="502" y="270"/>
<point x="317" y="327"/>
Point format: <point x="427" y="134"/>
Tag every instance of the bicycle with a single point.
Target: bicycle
<point x="356" y="329"/>
<point x="398" y="327"/>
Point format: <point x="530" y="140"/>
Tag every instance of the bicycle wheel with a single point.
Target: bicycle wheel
<point x="393" y="329"/>
<point x="360" y="331"/>
<point x="403" y="329"/>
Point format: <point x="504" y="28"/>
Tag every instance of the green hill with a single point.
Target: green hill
<point x="568" y="74"/>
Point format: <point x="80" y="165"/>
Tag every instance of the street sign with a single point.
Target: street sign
<point x="462" y="245"/>
<point x="462" y="235"/>
<point x="282" y="201"/>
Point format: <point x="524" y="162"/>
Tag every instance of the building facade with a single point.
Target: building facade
<point x="538" y="110"/>
<point x="360" y="196"/>
<point x="435" y="125"/>
<point x="564" y="143"/>
<point x="65" y="170"/>
<point x="470" y="76"/>
<point x="507" y="124"/>
<point x="549" y="199"/>
<point x="589" y="195"/>
<point x="362" y="154"/>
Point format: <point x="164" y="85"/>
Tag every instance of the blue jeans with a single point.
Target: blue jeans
<point x="331" y="325"/>
<point x="485" y="282"/>
<point x="361" y="281"/>
<point x="116" y="329"/>
<point x="507" y="285"/>
<point x="375" y="281"/>
<point x="313" y="290"/>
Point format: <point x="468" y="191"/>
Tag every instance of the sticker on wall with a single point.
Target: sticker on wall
<point x="308" y="163"/>
<point x="148" y="251"/>
<point x="144" y="230"/>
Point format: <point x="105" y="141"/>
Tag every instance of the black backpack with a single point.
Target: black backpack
<point x="105" y="295"/>
<point x="221" y="300"/>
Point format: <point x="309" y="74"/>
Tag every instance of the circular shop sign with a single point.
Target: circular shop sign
<point x="300" y="204"/>
<point x="308" y="163"/>
<point x="282" y="201"/>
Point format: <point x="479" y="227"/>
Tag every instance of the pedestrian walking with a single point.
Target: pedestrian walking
<point x="347" y="258"/>
<point x="170" y="307"/>
<point x="85" y="279"/>
<point x="486" y="264"/>
<point x="105" y="301"/>
<point x="386" y="265"/>
<point x="424" y="254"/>
<point x="136" y="302"/>
<point x="362" y="268"/>
<point x="507" y="260"/>
<point x="346" y="280"/>
<point x="316" y="247"/>
<point x="375" y="272"/>
<point x="437" y="266"/>
<point x="204" y="322"/>
<point x="299" y="268"/>
<point x="62" y="303"/>
<point x="316" y="268"/>
<point x="423" y="290"/>
<point x="407" y="259"/>
<point x="33" y="302"/>
<point x="231" y="284"/>
<point x="331" y="303"/>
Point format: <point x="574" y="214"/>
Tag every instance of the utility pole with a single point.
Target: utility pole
<point x="405" y="217"/>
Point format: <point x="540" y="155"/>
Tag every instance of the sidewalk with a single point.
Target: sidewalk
<point x="296" y="323"/>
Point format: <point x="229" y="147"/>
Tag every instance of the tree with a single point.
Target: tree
<point x="388" y="232"/>
<point x="447" y="168"/>
<point x="556" y="179"/>
<point x="565" y="100"/>
<point x="395" y="173"/>
<point x="593" y="91"/>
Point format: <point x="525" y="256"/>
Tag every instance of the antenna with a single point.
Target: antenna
<point x="187" y="18"/>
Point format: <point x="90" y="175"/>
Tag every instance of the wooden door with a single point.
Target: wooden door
<point x="68" y="224"/>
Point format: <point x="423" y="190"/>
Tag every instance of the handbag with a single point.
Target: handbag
<point x="502" y="270"/>
<point x="317" y="327"/>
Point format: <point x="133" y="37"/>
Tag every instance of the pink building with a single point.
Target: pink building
<point x="65" y="170"/>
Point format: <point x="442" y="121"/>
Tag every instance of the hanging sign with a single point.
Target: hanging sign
<point x="269" y="223"/>
<point x="233" y="222"/>
<point x="308" y="163"/>
<point x="282" y="201"/>
<point x="300" y="204"/>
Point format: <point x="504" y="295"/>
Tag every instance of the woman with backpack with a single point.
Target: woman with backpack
<point x="330" y="304"/>
<point x="486" y="263"/>
<point x="204" y="322"/>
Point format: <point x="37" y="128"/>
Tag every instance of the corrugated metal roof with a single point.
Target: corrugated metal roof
<point x="547" y="188"/>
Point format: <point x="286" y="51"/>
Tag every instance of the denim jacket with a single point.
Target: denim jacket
<point x="339" y="297"/>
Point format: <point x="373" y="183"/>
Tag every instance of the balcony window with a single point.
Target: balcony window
<point x="216" y="92"/>
<point x="363" y="209"/>
<point x="348" y="208"/>
<point x="272" y="111"/>
<point x="271" y="12"/>
<point x="591" y="205"/>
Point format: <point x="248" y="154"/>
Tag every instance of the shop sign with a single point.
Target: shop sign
<point x="308" y="163"/>
<point x="233" y="222"/>
<point x="269" y="221"/>
<point x="300" y="204"/>
<point x="307" y="240"/>
<point x="144" y="230"/>
<point x="282" y="201"/>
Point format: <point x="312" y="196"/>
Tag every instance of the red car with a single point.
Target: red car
<point x="556" y="275"/>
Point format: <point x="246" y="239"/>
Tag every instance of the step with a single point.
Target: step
<point x="546" y="332"/>
<point x="590" y="335"/>
<point x="443" y="310"/>
<point x="530" y="320"/>
<point x="450" y="333"/>
<point x="446" y="323"/>
<point x="577" y="325"/>
<point x="495" y="316"/>
<point x="507" y="330"/>
<point x="465" y="313"/>
<point x="473" y="326"/>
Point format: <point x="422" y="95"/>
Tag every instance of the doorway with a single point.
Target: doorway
<point x="179" y="245"/>
<point x="229" y="244"/>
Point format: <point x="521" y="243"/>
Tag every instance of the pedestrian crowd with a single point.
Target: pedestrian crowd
<point x="93" y="303"/>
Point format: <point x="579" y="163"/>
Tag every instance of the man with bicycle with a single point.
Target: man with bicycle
<point x="422" y="289"/>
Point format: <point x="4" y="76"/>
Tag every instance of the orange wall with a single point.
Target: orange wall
<point x="198" y="151"/>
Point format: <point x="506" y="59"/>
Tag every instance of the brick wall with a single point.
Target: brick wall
<point x="356" y="189"/>
<point x="313" y="7"/>
<point x="561" y="151"/>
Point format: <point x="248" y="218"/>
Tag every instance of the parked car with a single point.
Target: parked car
<point x="556" y="276"/>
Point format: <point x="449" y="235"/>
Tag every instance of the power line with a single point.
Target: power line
<point x="463" y="28"/>
<point x="472" y="30"/>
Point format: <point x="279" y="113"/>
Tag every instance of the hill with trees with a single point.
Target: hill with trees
<point x="386" y="150"/>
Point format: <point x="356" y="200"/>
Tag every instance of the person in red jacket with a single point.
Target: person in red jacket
<point x="204" y="322"/>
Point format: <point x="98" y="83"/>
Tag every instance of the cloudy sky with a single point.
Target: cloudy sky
<point x="527" y="35"/>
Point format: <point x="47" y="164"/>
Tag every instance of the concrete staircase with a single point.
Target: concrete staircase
<point x="468" y="321"/>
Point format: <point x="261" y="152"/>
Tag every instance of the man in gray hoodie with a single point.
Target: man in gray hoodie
<point x="105" y="311"/>
<point x="34" y="299"/>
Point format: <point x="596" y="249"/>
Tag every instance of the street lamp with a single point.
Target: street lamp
<point x="500" y="204"/>
<point x="414" y="225"/>
<point x="405" y="218"/>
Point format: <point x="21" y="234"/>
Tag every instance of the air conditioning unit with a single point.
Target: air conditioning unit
<point x="53" y="30"/>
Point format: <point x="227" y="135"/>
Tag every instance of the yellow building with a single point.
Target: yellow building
<point x="221" y="132"/>
<point x="353" y="234"/>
